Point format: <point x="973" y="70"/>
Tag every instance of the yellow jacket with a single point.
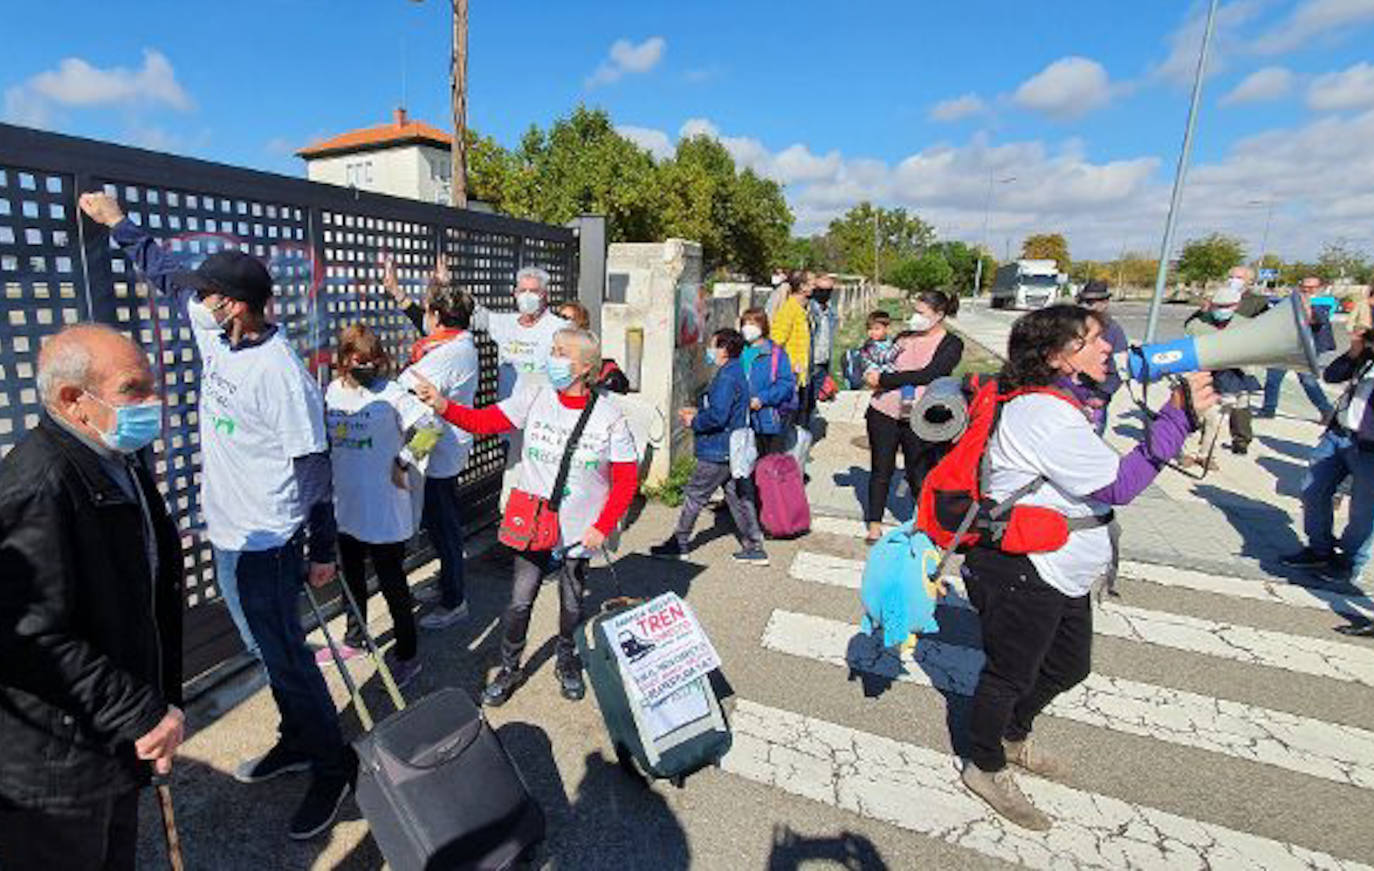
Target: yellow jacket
<point x="791" y="329"/>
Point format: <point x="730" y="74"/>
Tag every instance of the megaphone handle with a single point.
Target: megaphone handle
<point x="1181" y="384"/>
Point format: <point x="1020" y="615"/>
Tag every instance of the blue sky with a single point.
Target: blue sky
<point x="906" y="103"/>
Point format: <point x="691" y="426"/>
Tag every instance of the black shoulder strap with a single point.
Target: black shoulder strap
<point x="564" y="465"/>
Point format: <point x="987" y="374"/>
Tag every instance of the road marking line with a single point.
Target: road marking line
<point x="1331" y="751"/>
<point x="1273" y="592"/>
<point x="918" y="789"/>
<point x="1266" y="647"/>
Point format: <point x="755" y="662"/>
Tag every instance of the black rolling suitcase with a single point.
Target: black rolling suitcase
<point x="642" y="741"/>
<point x="434" y="783"/>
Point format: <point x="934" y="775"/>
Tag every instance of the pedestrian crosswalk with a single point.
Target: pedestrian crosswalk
<point x="1241" y="732"/>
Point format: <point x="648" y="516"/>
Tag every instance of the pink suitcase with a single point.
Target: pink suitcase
<point x="783" y="509"/>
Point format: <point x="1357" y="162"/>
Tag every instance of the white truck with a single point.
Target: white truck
<point x="1027" y="284"/>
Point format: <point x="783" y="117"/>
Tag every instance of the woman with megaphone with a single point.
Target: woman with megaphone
<point x="1034" y="606"/>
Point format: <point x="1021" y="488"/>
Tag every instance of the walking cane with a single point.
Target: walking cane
<point x="169" y="823"/>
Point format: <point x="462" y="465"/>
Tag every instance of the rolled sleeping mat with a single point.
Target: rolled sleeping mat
<point x="941" y="414"/>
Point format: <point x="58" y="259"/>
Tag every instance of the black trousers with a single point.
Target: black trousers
<point x="389" y="562"/>
<point x="1037" y="643"/>
<point x="100" y="836"/>
<point x="529" y="571"/>
<point x="885" y="435"/>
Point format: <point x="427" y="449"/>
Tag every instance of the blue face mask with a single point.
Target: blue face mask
<point x="1222" y="314"/>
<point x="710" y="356"/>
<point x="135" y="426"/>
<point x="560" y="372"/>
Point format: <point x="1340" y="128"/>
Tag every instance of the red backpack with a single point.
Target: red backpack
<point x="953" y="508"/>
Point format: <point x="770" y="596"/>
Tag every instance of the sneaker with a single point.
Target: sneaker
<point x="1307" y="558"/>
<point x="319" y="807"/>
<point x="323" y="656"/>
<point x="428" y="595"/>
<point x="671" y="549"/>
<point x="753" y="556"/>
<point x="273" y="763"/>
<point x="1354" y="630"/>
<point x="1027" y="755"/>
<point x="1336" y="570"/>
<point x="1240" y="450"/>
<point x="501" y="687"/>
<point x="1266" y="414"/>
<point x="403" y="671"/>
<point x="570" y="682"/>
<point x="1000" y="791"/>
<point x="443" y="618"/>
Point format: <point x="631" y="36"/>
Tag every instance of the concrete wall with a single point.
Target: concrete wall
<point x="641" y="333"/>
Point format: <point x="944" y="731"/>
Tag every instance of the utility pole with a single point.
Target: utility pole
<point x="987" y="212"/>
<point x="459" y="82"/>
<point x="875" y="248"/>
<point x="1166" y="245"/>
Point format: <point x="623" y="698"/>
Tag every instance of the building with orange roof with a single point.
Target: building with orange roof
<point x="405" y="158"/>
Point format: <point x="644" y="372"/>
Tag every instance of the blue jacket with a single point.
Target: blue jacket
<point x="777" y="393"/>
<point x="720" y="411"/>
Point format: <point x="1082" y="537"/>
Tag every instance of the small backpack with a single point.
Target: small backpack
<point x="953" y="508"/>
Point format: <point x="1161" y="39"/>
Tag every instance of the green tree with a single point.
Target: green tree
<point x="1209" y="258"/>
<point x="895" y="233"/>
<point x="1047" y="246"/>
<point x="1339" y="262"/>
<point x="928" y="271"/>
<point x="963" y="260"/>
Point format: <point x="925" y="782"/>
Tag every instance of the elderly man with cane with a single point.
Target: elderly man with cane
<point x="90" y="612"/>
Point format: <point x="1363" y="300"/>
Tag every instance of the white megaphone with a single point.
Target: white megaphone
<point x="1280" y="338"/>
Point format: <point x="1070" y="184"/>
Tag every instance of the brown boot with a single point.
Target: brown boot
<point x="1024" y="754"/>
<point x="1001" y="792"/>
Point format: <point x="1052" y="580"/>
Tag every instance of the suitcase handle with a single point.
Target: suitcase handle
<point x="364" y="714"/>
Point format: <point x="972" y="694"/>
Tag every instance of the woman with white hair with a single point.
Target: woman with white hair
<point x="557" y="418"/>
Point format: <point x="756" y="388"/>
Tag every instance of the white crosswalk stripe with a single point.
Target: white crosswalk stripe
<point x="1332" y="751"/>
<point x="1266" y="647"/>
<point x="1240" y="588"/>
<point x="918" y="789"/>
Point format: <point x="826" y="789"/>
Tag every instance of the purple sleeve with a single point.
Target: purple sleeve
<point x="1140" y="466"/>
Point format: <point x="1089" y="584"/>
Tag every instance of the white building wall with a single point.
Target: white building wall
<point x="401" y="172"/>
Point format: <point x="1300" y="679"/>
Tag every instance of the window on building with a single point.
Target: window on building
<point x="358" y="174"/>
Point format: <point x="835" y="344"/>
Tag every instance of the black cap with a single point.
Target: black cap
<point x="233" y="274"/>
<point x="1094" y="291"/>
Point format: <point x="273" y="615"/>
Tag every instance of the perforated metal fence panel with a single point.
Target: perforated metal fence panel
<point x="323" y="245"/>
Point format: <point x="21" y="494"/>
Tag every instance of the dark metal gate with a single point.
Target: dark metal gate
<point x="323" y="244"/>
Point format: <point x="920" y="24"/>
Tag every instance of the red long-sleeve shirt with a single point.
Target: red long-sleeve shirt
<point x="491" y="420"/>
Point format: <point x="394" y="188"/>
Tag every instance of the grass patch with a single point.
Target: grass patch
<point x="669" y="492"/>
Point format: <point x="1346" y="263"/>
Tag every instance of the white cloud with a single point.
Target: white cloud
<point x="656" y="142"/>
<point x="77" y="84"/>
<point x="1312" y="19"/>
<point x="1269" y="83"/>
<point x="1180" y="66"/>
<point x="626" y="57"/>
<point x="1352" y="88"/>
<point x="1068" y="88"/>
<point x="957" y="108"/>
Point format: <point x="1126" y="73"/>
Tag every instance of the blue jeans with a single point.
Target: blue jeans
<point x="1335" y="458"/>
<point x="1273" y="384"/>
<point x="226" y="577"/>
<point x="269" y="587"/>
<point x="443" y="519"/>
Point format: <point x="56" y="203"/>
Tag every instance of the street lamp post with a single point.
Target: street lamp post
<point x="1167" y="244"/>
<point x="1264" y="240"/>
<point x="987" y="212"/>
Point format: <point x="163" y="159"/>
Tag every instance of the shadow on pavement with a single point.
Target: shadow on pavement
<point x="1287" y="447"/>
<point x="902" y="507"/>
<point x="613" y="821"/>
<point x="1288" y="475"/>
<point x="792" y="851"/>
<point x="1266" y="532"/>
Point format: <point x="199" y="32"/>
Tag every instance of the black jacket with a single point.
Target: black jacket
<point x="90" y="647"/>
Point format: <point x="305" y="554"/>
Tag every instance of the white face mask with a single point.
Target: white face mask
<point x="527" y="302"/>
<point x="920" y="323"/>
<point x="751" y="332"/>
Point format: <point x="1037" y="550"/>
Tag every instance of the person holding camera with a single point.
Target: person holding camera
<point x="580" y="466"/>
<point x="1035" y="607"/>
